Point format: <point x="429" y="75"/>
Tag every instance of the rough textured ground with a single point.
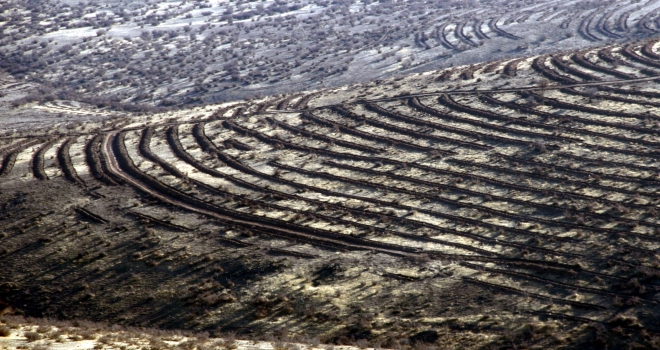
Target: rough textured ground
<point x="165" y="53"/>
<point x="505" y="204"/>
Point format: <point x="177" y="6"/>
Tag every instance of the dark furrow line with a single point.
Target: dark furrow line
<point x="581" y="173"/>
<point x="89" y="215"/>
<point x="458" y="32"/>
<point x="516" y="186"/>
<point x="302" y="103"/>
<point x="442" y="37"/>
<point x="629" y="52"/>
<point x="244" y="219"/>
<point x="492" y="24"/>
<point x="64" y="158"/>
<point x="373" y="137"/>
<point x="477" y="29"/>
<point x="38" y="161"/>
<point x="406" y="131"/>
<point x="528" y="110"/>
<point x="11" y="153"/>
<point x="540" y="67"/>
<point x="145" y="150"/>
<point x="284" y="104"/>
<point x="324" y="138"/>
<point x="601" y="162"/>
<point x="93" y="160"/>
<point x="511" y="68"/>
<point x="553" y="208"/>
<point x="602" y="27"/>
<point x="647" y="50"/>
<point x="584" y="30"/>
<point x="279" y="143"/>
<point x="207" y="146"/>
<point x="340" y="156"/>
<point x="452" y="104"/>
<point x="414" y="102"/>
<point x="575" y="118"/>
<point x="543" y="280"/>
<point x="521" y="292"/>
<point x="582" y="61"/>
<point x="501" y="213"/>
<point x="622" y="21"/>
<point x="8" y="163"/>
<point x="540" y="175"/>
<point x="160" y="222"/>
<point x="210" y="148"/>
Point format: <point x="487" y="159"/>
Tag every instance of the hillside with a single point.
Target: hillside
<point x="508" y="203"/>
<point x="163" y="53"/>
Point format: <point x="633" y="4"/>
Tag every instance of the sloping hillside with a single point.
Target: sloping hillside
<point x="510" y="202"/>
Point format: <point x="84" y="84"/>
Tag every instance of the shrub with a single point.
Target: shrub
<point x="5" y="331"/>
<point x="32" y="336"/>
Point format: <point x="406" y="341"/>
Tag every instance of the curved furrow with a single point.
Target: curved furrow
<point x="443" y="172"/>
<point x="414" y="102"/>
<point x="64" y="159"/>
<point x="145" y="151"/>
<point x="602" y="27"/>
<point x="524" y="293"/>
<point x="567" y="68"/>
<point x="11" y="153"/>
<point x="614" y="164"/>
<point x="458" y="33"/>
<point x="622" y="21"/>
<point x="589" y="181"/>
<point x="198" y="132"/>
<point x="584" y="29"/>
<point x="629" y="51"/>
<point x="441" y="36"/>
<point x="606" y="55"/>
<point x="324" y="138"/>
<point x="540" y="67"/>
<point x="538" y="64"/>
<point x="593" y="110"/>
<point x="568" y="286"/>
<point x="492" y="24"/>
<point x="404" y="130"/>
<point x="373" y="137"/>
<point x="549" y="14"/>
<point x="279" y="143"/>
<point x="644" y="23"/>
<point x="243" y="168"/>
<point x="439" y="171"/>
<point x="525" y="203"/>
<point x="519" y="186"/>
<point x="204" y="142"/>
<point x="93" y="160"/>
<point x="122" y="166"/>
<point x="572" y="117"/>
<point x="487" y="114"/>
<point x="302" y="103"/>
<point x="37" y="163"/>
<point x="511" y="68"/>
<point x="583" y="62"/>
<point x="447" y="101"/>
<point x="457" y="204"/>
<point x="477" y="29"/>
<point x="647" y="50"/>
<point x="586" y="174"/>
<point x="208" y="146"/>
<point x="284" y="104"/>
<point x="581" y="131"/>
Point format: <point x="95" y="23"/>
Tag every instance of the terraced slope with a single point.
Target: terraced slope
<point x="369" y="212"/>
